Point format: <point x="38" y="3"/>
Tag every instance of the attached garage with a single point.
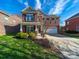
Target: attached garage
<point x="52" y="30"/>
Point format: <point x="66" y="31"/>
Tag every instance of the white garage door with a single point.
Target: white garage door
<point x="52" y="30"/>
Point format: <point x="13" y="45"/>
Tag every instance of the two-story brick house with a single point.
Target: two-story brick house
<point x="72" y="24"/>
<point x="36" y="20"/>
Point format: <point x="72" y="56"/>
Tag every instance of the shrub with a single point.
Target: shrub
<point x="22" y="35"/>
<point x="32" y="35"/>
<point x="71" y="32"/>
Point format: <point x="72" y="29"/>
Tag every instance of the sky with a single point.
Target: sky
<point x="63" y="8"/>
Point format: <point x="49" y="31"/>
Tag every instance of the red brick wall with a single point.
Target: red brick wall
<point x="49" y="23"/>
<point x="23" y="17"/>
<point x="52" y="23"/>
<point x="72" y="24"/>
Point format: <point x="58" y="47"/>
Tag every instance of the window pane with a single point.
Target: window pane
<point x="29" y="17"/>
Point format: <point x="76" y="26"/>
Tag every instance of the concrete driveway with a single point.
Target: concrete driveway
<point x="68" y="46"/>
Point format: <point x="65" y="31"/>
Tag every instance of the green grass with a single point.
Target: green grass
<point x="11" y="48"/>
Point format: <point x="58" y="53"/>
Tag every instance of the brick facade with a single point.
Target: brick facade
<point x="51" y="21"/>
<point x="72" y="23"/>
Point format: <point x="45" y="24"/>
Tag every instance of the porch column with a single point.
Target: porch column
<point x="36" y="29"/>
<point x="41" y="28"/>
<point x="21" y="30"/>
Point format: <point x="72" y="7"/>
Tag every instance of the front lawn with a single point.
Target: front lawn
<point x="11" y="48"/>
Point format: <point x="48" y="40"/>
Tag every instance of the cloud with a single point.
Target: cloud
<point x="59" y="7"/>
<point x="26" y="4"/>
<point x="73" y="5"/>
<point x="44" y="1"/>
<point x="38" y="5"/>
<point x="75" y="1"/>
<point x="51" y="10"/>
<point x="48" y="2"/>
<point x="21" y="1"/>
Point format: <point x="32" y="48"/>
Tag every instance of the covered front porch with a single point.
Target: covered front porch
<point x="31" y="27"/>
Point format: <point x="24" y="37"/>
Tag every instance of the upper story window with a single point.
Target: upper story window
<point x="67" y="23"/>
<point x="67" y="29"/>
<point x="52" y="18"/>
<point x="47" y="18"/>
<point x="29" y="17"/>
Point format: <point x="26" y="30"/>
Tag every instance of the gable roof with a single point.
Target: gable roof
<point x="27" y="9"/>
<point x="10" y="20"/>
<point x="45" y="15"/>
<point x="40" y="11"/>
<point x="4" y="13"/>
<point x="74" y="16"/>
<point x="24" y="11"/>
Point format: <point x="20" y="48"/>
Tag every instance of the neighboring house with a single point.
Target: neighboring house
<point x="34" y="20"/>
<point x="72" y="23"/>
<point x="9" y="23"/>
<point x="2" y="29"/>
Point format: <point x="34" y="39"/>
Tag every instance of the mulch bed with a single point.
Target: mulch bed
<point x="45" y="43"/>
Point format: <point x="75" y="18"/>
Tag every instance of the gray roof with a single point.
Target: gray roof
<point x="76" y="15"/>
<point x="9" y="20"/>
<point x="45" y="15"/>
<point x="5" y="13"/>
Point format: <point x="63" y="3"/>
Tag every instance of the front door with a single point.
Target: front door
<point x="30" y="28"/>
<point x="39" y="28"/>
